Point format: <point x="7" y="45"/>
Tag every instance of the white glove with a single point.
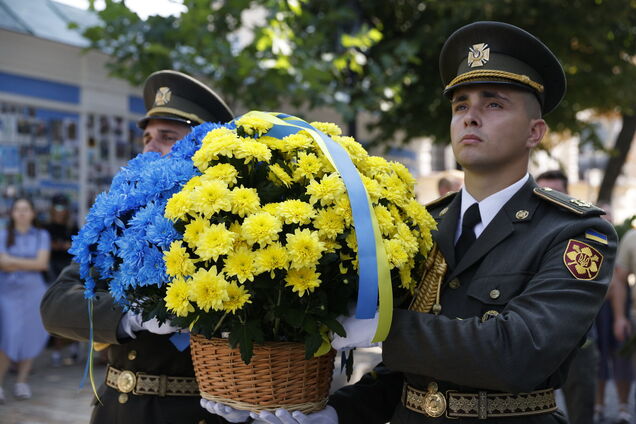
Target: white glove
<point x="230" y="414"/>
<point x="132" y="322"/>
<point x="283" y="416"/>
<point x="360" y="332"/>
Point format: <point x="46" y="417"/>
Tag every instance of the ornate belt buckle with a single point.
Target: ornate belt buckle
<point x="126" y="381"/>
<point x="434" y="402"/>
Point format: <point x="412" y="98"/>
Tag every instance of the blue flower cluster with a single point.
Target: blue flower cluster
<point x="125" y="229"/>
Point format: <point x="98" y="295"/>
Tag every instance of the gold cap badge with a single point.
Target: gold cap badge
<point x="478" y="55"/>
<point x="582" y="260"/>
<point x="163" y="96"/>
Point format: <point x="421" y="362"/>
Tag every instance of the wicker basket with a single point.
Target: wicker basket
<point x="278" y="376"/>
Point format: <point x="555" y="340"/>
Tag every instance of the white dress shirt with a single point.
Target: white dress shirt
<point x="489" y="207"/>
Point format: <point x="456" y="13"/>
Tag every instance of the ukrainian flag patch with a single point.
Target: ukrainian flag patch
<point x="596" y="236"/>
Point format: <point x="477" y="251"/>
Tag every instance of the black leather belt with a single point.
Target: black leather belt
<point x="139" y="383"/>
<point x="481" y="405"/>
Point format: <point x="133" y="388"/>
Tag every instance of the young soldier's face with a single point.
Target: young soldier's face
<point x="160" y="135"/>
<point x="492" y="128"/>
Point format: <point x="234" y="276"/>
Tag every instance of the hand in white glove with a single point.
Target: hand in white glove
<point x="230" y="414"/>
<point x="283" y="416"/>
<point x="131" y="322"/>
<point x="360" y="332"/>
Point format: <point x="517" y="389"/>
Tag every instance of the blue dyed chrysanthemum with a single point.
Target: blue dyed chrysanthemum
<point x="125" y="228"/>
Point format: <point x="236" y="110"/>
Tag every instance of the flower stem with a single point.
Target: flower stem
<point x="218" y="324"/>
<point x="277" y="319"/>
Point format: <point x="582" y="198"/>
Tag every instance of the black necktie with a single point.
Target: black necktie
<point x="467" y="237"/>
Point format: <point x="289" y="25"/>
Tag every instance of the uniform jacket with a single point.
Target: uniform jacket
<point x="517" y="268"/>
<point x="65" y="313"/>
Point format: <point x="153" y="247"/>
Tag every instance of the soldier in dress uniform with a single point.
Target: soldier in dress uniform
<point x="148" y="379"/>
<point x="527" y="267"/>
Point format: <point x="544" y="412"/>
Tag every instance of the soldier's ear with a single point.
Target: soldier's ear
<point x="537" y="130"/>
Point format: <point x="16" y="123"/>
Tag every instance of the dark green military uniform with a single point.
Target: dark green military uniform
<point x="512" y="312"/>
<point x="176" y="97"/>
<point x="521" y="300"/>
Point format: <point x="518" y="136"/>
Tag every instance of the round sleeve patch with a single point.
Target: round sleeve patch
<point x="582" y="260"/>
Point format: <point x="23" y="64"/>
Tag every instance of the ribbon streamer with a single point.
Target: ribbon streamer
<point x="374" y="273"/>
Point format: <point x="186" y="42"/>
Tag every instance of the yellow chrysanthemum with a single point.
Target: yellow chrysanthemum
<point x="220" y="141"/>
<point x="214" y="241"/>
<point x="328" y="128"/>
<point x="272" y="142"/>
<point x="308" y="166"/>
<point x="385" y="220"/>
<point x="178" y="206"/>
<point x="177" y="259"/>
<point x="304" y="248"/>
<point x="238" y="296"/>
<point x="244" y="201"/>
<point x="250" y="150"/>
<point x="406" y="277"/>
<point x="193" y="229"/>
<point x="329" y="223"/>
<point x="352" y="241"/>
<point x="356" y="152"/>
<point x="297" y="141"/>
<point x="373" y="188"/>
<point x="302" y="280"/>
<point x="271" y="258"/>
<point x="404" y="174"/>
<point x="261" y="228"/>
<point x="222" y="171"/>
<point x="330" y="245"/>
<point x="374" y="165"/>
<point x="296" y="212"/>
<point x="212" y="197"/>
<point x="343" y="207"/>
<point x="208" y="289"/>
<point x="253" y="126"/>
<point x="396" y="253"/>
<point x="394" y="189"/>
<point x="193" y="183"/>
<point x="271" y="208"/>
<point x="277" y="173"/>
<point x="326" y="191"/>
<point x="409" y="241"/>
<point x="178" y="297"/>
<point x="240" y="264"/>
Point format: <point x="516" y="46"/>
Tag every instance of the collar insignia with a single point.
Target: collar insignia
<point x="478" y="55"/>
<point x="163" y="96"/>
<point x="582" y="260"/>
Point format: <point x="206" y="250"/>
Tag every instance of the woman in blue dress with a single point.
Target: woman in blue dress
<point x="24" y="254"/>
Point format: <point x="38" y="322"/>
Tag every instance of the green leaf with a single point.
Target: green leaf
<point x="336" y="327"/>
<point x="312" y="343"/>
<point x="245" y="335"/>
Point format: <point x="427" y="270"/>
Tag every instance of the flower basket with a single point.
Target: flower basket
<point x="278" y="375"/>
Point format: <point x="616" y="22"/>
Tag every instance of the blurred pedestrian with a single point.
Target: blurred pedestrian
<point x="579" y="389"/>
<point x="447" y="185"/>
<point x="61" y="228"/>
<point x="619" y="298"/>
<point x="24" y="255"/>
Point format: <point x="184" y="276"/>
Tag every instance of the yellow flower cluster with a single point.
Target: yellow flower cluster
<point x="231" y="235"/>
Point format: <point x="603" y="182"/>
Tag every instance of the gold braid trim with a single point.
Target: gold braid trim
<point x="428" y="291"/>
<point x="494" y="74"/>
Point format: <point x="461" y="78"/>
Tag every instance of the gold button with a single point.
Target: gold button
<point x="494" y="294"/>
<point x="132" y="355"/>
<point x="443" y="211"/>
<point x="522" y="214"/>
<point x="123" y="397"/>
<point x="454" y="284"/>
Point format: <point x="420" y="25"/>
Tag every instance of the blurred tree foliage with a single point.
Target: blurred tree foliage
<point x="375" y="56"/>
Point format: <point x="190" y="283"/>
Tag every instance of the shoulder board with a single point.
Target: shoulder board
<point x="440" y="201"/>
<point x="576" y="206"/>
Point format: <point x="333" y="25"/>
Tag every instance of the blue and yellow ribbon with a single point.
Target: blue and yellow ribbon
<point x="374" y="272"/>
